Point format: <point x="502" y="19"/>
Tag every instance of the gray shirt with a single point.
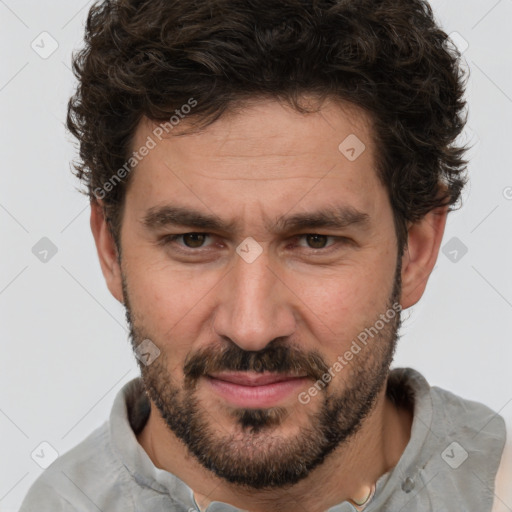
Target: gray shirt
<point x="450" y="462"/>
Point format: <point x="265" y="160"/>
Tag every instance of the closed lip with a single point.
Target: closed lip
<point x="253" y="378"/>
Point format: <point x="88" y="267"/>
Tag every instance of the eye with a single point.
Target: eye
<point x="316" y="241"/>
<point x="191" y="240"/>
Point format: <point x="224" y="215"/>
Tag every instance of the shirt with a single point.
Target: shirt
<point x="449" y="464"/>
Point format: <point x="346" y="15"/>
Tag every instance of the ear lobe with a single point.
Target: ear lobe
<point x="420" y="255"/>
<point x="107" y="250"/>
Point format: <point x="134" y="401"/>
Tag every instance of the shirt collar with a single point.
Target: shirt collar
<point x="131" y="410"/>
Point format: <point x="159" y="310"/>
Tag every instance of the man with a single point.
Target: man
<point x="269" y="186"/>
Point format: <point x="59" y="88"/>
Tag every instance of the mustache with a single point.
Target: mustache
<point x="273" y="358"/>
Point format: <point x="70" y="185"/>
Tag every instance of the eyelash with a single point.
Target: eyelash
<point x="170" y="239"/>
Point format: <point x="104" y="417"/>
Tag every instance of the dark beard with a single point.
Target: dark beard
<point x="253" y="455"/>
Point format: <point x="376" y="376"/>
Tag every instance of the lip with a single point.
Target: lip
<point x="251" y="389"/>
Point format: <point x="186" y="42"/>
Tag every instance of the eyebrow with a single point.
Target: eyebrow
<point x="339" y="217"/>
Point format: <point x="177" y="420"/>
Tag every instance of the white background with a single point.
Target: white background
<point x="64" y="346"/>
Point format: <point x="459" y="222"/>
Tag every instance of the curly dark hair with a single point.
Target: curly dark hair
<point x="388" y="57"/>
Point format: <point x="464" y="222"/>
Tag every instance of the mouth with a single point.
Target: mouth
<point x="255" y="390"/>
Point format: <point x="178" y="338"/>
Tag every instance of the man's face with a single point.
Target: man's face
<point x="290" y="302"/>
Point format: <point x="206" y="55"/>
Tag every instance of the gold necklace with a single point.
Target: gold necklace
<point x="361" y="505"/>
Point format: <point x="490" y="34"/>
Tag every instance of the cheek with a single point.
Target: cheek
<point x="345" y="296"/>
<point x="168" y="302"/>
<point x="338" y="307"/>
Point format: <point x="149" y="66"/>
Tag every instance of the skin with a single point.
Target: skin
<point x="262" y="163"/>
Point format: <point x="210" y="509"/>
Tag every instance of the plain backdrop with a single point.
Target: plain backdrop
<point x="64" y="346"/>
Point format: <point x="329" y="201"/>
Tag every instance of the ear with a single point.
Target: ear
<point x="420" y="256"/>
<point x="107" y="251"/>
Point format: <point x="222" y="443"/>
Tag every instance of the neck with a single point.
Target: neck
<point x="347" y="474"/>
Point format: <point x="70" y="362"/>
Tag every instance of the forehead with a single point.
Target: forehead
<point x="243" y="129"/>
<point x="260" y="159"/>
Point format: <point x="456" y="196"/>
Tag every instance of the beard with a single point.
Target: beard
<point x="253" y="454"/>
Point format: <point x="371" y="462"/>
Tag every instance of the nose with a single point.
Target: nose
<point x="254" y="305"/>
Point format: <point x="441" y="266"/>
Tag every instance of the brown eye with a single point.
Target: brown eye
<point x="317" y="241"/>
<point x="194" y="240"/>
<point x="184" y="241"/>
